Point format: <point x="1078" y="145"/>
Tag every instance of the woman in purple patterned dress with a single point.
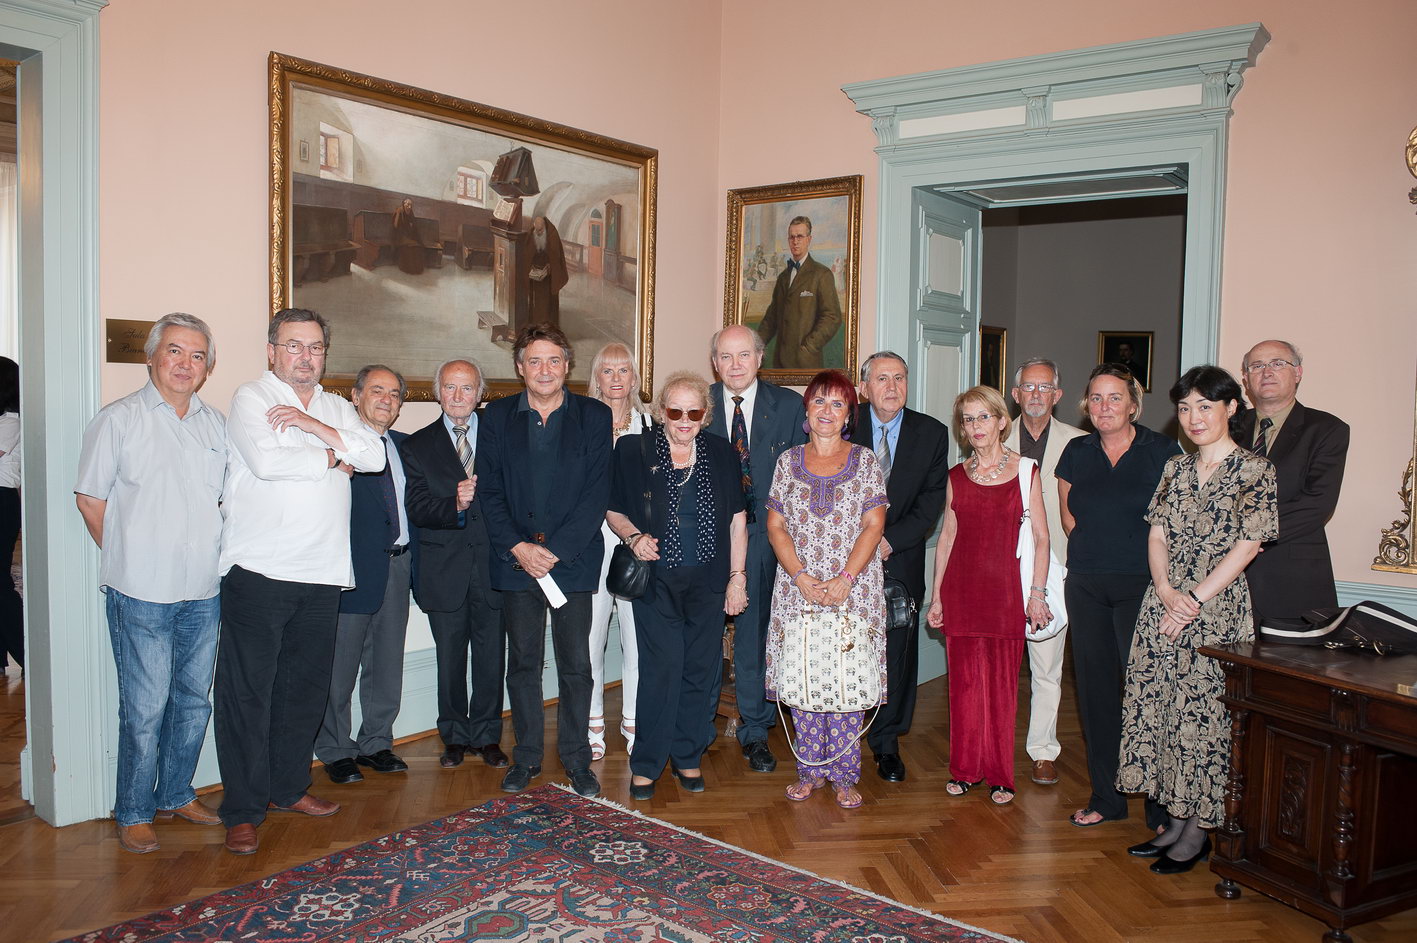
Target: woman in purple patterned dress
<point x="826" y="514"/>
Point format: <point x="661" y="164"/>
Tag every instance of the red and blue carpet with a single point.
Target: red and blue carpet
<point x="543" y="865"/>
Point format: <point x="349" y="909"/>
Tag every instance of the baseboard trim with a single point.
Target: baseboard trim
<point x="1401" y="598"/>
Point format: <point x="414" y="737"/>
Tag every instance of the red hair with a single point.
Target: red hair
<point x="834" y="383"/>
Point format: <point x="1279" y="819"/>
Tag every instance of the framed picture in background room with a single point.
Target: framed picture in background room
<point x="1131" y="349"/>
<point x="994" y="357"/>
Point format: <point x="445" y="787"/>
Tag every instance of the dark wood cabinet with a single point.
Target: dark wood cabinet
<point x="1321" y="808"/>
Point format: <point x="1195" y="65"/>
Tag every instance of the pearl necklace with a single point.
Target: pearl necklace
<point x="972" y="468"/>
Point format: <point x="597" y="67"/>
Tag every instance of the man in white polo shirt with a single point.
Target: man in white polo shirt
<point x="284" y="560"/>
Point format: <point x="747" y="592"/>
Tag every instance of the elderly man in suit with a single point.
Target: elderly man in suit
<point x="373" y="617"/>
<point x="762" y="421"/>
<point x="1041" y="437"/>
<point x="453" y="584"/>
<point x="1293" y="573"/>
<point x="913" y="451"/>
<point x="544" y="469"/>
<point x="804" y="312"/>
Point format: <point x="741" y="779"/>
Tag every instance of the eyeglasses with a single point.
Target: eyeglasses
<point x="1275" y="365"/>
<point x="295" y="348"/>
<point x="1040" y="387"/>
<point x="676" y="414"/>
<point x="975" y="420"/>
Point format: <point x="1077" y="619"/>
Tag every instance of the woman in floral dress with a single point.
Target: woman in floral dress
<point x="826" y="514"/>
<point x="1208" y="517"/>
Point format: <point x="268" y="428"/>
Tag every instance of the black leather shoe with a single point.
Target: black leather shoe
<point x="491" y="754"/>
<point x="1147" y="849"/>
<point x="760" y="757"/>
<point x="385" y="761"/>
<point x="343" y="771"/>
<point x="519" y="777"/>
<point x="642" y="792"/>
<point x="453" y="754"/>
<point x="583" y="781"/>
<point x="890" y="768"/>
<point x="690" y="783"/>
<point x="1166" y="865"/>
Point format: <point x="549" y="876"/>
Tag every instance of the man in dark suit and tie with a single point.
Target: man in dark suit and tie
<point x="453" y="584"/>
<point x="804" y="313"/>
<point x="373" y="617"/>
<point x="1293" y="573"/>
<point x="913" y="451"/>
<point x="762" y="421"/>
<point x="545" y="482"/>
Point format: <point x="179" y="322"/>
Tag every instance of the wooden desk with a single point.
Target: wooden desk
<point x="1321" y="808"/>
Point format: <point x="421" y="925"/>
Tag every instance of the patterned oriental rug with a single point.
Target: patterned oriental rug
<point x="542" y="865"/>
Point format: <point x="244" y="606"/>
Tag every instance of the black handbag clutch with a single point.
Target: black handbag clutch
<point x="629" y="576"/>
<point x="900" y="605"/>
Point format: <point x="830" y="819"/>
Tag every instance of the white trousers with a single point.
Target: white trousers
<point x="1045" y="669"/>
<point x="601" y="605"/>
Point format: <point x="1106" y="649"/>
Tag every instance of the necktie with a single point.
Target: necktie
<point x="740" y="442"/>
<point x="391" y="498"/>
<point x="464" y="449"/>
<point x="883" y="455"/>
<point x="1262" y="443"/>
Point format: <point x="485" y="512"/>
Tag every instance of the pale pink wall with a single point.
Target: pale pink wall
<point x="184" y="151"/>
<point x="1321" y="245"/>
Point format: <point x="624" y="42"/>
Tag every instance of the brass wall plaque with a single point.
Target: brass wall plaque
<point x="126" y="339"/>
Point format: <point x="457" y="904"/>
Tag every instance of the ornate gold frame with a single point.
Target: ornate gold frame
<point x="286" y="71"/>
<point x="738" y="202"/>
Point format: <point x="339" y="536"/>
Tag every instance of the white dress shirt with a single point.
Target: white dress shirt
<point x="750" y="396"/>
<point x="400" y="485"/>
<point x="10" y="445"/>
<point x="286" y="512"/>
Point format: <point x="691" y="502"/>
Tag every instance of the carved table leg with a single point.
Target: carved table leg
<point x="1344" y="824"/>
<point x="1227" y="889"/>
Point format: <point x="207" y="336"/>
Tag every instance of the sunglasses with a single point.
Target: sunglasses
<point x="675" y="414"/>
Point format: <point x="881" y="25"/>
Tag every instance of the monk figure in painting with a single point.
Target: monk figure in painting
<point x="407" y="246"/>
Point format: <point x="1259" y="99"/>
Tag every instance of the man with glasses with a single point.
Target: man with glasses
<point x="1041" y="437"/>
<point x="1308" y="447"/>
<point x="284" y="558"/>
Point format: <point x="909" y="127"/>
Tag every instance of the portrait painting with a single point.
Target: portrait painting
<point x="792" y="258"/>
<point x="1131" y="349"/>
<point x="425" y="227"/>
<point x="993" y="357"/>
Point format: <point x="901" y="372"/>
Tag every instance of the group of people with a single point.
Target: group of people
<point x="281" y="543"/>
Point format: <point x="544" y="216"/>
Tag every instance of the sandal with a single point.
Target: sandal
<point x="846" y="795"/>
<point x="800" y="790"/>
<point x="1086" y="812"/>
<point x="627" y="730"/>
<point x="596" y="736"/>
<point x="1001" y="795"/>
<point x="958" y="787"/>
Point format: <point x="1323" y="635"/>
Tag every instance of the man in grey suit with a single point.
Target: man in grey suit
<point x="804" y="313"/>
<point x="762" y="421"/>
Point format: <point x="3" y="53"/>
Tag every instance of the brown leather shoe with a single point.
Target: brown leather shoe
<point x="453" y="754"/>
<point x="1044" y="772"/>
<point x="241" y="839"/>
<point x="491" y="754"/>
<point x="193" y="812"/>
<point x="310" y="805"/>
<point x="139" y="839"/>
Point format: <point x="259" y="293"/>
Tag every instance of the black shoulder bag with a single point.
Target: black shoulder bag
<point x="900" y="605"/>
<point x="629" y="576"/>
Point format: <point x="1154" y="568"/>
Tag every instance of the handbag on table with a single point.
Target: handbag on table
<point x="1056" y="571"/>
<point x="629" y="576"/>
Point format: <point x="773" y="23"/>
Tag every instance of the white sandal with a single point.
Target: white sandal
<point x="627" y="730"/>
<point x="596" y="738"/>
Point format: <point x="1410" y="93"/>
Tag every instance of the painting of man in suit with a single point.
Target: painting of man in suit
<point x="804" y="313"/>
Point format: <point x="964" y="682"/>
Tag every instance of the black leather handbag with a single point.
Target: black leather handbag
<point x="900" y="605"/>
<point x="629" y="576"/>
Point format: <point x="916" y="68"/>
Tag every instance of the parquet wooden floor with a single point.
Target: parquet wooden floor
<point x="1020" y="870"/>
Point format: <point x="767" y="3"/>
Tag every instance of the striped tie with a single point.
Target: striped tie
<point x="464" y="449"/>
<point x="883" y="455"/>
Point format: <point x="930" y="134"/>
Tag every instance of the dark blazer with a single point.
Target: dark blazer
<point x="1294" y="573"/>
<point x="776" y="426"/>
<point x="803" y="315"/>
<point x="452" y="545"/>
<point x="632" y="479"/>
<point x="575" y="510"/>
<point x="369" y="526"/>
<point x="920" y="474"/>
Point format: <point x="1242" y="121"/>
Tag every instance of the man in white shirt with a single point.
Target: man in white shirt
<point x="149" y="489"/>
<point x="284" y="560"/>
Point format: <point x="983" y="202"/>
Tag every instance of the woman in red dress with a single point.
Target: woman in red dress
<point x="980" y="601"/>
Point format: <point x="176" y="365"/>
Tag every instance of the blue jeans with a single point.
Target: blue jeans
<point x="164" y="653"/>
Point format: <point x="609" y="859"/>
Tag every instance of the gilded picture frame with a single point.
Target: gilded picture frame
<point x="808" y="320"/>
<point x="426" y="227"/>
<point x="1131" y="349"/>
<point x="994" y="357"/>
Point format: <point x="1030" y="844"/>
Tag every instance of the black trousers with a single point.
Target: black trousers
<point x="902" y="671"/>
<point x="476" y="627"/>
<point x="1102" y="616"/>
<point x="272" y="681"/>
<point x="12" y="613"/>
<point x="679" y="633"/>
<point x="524" y="621"/>
<point x="750" y="644"/>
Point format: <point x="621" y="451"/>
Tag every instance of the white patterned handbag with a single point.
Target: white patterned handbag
<point x="831" y="663"/>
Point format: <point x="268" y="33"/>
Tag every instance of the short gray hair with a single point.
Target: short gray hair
<point x="759" y="345"/>
<point x="1038" y="362"/>
<point x="881" y="355"/>
<point x="364" y="372"/>
<point x="438" y="377"/>
<point x="179" y="319"/>
<point x="1293" y="352"/>
<point x="689" y="380"/>
<point x="296" y="316"/>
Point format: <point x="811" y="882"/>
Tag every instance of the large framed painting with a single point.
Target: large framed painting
<point x="792" y="258"/>
<point x="426" y="227"/>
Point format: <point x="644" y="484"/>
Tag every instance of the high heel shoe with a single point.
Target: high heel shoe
<point x="641" y="791"/>
<point x="627" y="730"/>
<point x="596" y="736"/>
<point x="690" y="783"/>
<point x="1166" y="865"/>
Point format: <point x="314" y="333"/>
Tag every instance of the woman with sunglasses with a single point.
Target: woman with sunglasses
<point x="696" y="535"/>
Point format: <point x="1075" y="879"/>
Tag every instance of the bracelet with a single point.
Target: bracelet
<point x="1041" y="597"/>
<point x="849" y="577"/>
<point x="1040" y="589"/>
<point x="1192" y="594"/>
<point x="798" y="573"/>
<point x="630" y="540"/>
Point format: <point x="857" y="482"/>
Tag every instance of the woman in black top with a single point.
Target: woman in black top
<point x="1105" y="482"/>
<point x="696" y="531"/>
